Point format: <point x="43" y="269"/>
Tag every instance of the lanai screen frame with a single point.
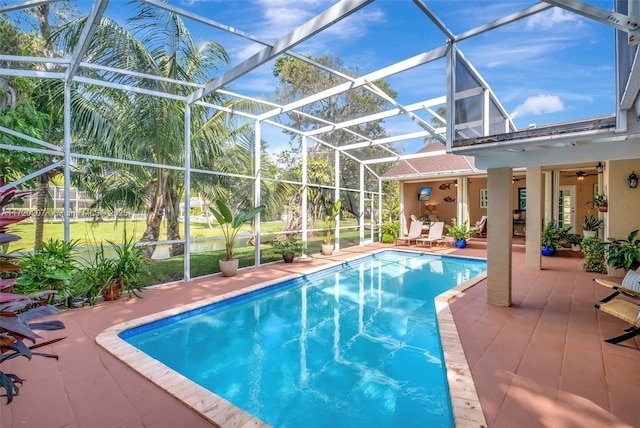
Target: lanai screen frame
<point x="449" y="52"/>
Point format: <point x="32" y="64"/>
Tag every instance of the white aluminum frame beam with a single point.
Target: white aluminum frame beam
<point x="335" y="13"/>
<point x="90" y="25"/>
<point x="614" y="19"/>
<point x="632" y="88"/>
<point x="382" y="73"/>
<point x="25" y="5"/>
<point x="379" y="116"/>
<point x="525" y="13"/>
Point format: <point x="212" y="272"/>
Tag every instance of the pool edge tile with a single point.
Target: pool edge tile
<point x="467" y="411"/>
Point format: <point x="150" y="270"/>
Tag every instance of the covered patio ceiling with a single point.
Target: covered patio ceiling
<point x="407" y="122"/>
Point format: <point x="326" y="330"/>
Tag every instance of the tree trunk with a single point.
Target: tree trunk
<point x="172" y="210"/>
<point x="155" y="211"/>
<point x="41" y="205"/>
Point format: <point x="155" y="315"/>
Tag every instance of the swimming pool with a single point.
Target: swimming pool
<point x="355" y="344"/>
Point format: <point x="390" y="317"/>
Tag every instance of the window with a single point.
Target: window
<point x="522" y="198"/>
<point x="483" y="198"/>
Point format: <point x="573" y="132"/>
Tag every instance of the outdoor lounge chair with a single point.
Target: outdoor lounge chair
<point x="630" y="286"/>
<point x="435" y="235"/>
<point x="625" y="310"/>
<point x="414" y="233"/>
<point x="480" y="228"/>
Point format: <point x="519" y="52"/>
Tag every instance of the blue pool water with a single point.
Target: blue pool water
<point x="352" y="346"/>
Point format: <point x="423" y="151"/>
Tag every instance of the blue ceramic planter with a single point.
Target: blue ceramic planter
<point x="548" y="251"/>
<point x="461" y="243"/>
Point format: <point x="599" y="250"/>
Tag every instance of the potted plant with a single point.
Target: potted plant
<point x="460" y="233"/>
<point x="97" y="277"/>
<point x="624" y="253"/>
<point x="594" y="257"/>
<point x="590" y="225"/>
<point x="330" y="223"/>
<point x="289" y="247"/>
<point x="230" y="224"/>
<point x="129" y="264"/>
<point x="574" y="240"/>
<point x="599" y="201"/>
<point x="551" y="237"/>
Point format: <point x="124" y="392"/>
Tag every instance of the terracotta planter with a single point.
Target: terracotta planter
<point x="602" y="208"/>
<point x="327" y="249"/>
<point x="112" y="292"/>
<point x="288" y="257"/>
<point x="228" y="267"/>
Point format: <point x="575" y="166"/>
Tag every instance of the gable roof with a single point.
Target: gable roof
<point x="436" y="163"/>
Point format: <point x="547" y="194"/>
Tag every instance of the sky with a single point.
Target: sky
<point x="549" y="68"/>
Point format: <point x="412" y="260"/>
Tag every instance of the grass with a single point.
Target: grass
<point x="168" y="270"/>
<point x="206" y="263"/>
<point x="89" y="233"/>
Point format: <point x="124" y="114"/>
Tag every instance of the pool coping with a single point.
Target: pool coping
<point x="467" y="411"/>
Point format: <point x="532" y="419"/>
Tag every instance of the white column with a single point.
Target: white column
<point x="187" y="192"/>
<point x="534" y="217"/>
<point x="499" y="236"/>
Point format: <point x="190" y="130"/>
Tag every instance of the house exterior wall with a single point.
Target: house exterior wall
<point x="444" y="210"/>
<point x="475" y="211"/>
<point x="584" y="194"/>
<point x="623" y="215"/>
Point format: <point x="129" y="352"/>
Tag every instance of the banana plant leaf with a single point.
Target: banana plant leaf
<point x="5" y="238"/>
<point x="8" y="381"/>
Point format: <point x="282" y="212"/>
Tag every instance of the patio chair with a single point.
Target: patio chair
<point x="630" y="286"/>
<point x="415" y="232"/>
<point x="435" y="235"/>
<point x="480" y="228"/>
<point x="625" y="310"/>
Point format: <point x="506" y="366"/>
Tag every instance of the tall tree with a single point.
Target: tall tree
<point x="150" y="128"/>
<point x="299" y="79"/>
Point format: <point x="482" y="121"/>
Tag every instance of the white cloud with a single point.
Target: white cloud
<point x="538" y="105"/>
<point x="551" y="18"/>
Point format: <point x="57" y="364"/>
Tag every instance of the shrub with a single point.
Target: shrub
<point x="594" y="256"/>
<point x="390" y="232"/>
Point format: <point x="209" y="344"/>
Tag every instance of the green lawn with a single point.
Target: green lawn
<point x="171" y="269"/>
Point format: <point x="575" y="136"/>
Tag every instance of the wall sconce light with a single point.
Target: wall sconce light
<point x="600" y="167"/>
<point x="633" y="180"/>
<point x="431" y="208"/>
<point x="425" y="194"/>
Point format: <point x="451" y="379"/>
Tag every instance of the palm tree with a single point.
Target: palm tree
<point x="148" y="128"/>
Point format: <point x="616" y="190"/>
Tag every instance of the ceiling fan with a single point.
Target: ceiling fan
<point x="580" y="175"/>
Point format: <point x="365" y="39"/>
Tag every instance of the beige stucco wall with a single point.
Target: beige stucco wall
<point x="444" y="210"/>
<point x="499" y="237"/>
<point x="584" y="194"/>
<point x="475" y="212"/>
<point x="623" y="215"/>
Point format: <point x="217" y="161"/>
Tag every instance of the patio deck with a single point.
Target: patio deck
<point x="541" y="362"/>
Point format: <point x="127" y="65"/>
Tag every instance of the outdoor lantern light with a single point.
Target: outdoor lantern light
<point x="600" y="168"/>
<point x="633" y="180"/>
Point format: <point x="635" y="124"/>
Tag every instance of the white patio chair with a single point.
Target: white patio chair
<point x="435" y="235"/>
<point x="415" y="232"/>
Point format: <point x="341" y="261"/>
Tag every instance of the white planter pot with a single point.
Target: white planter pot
<point x="589" y="233"/>
<point x="327" y="249"/>
<point x="575" y="247"/>
<point x="228" y="267"/>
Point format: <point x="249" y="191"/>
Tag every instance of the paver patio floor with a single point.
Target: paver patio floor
<point x="541" y="362"/>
